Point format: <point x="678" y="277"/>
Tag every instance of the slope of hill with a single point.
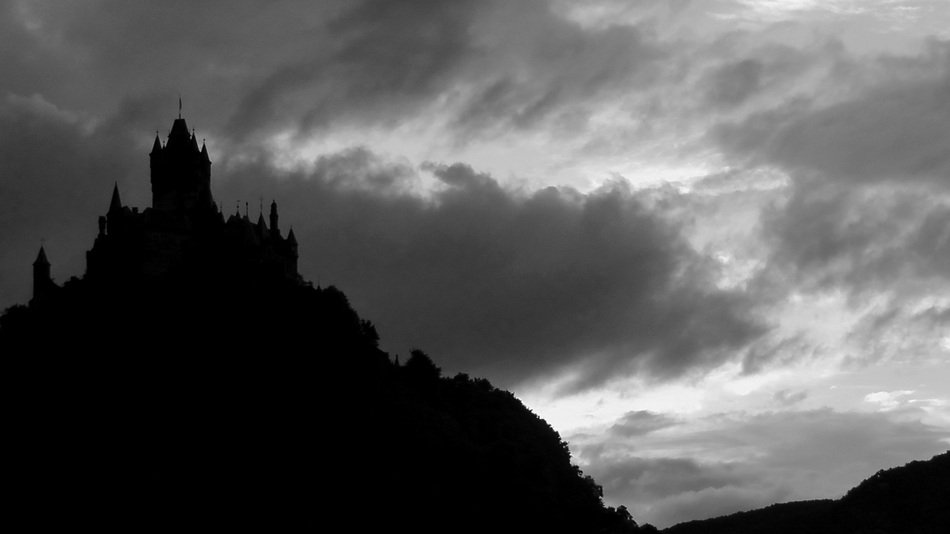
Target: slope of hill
<point x="227" y="400"/>
<point x="911" y="499"/>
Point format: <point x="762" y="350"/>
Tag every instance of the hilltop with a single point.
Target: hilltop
<point x="233" y="402"/>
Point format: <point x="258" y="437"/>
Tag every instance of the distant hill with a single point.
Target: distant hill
<point x="912" y="499"/>
<point x="230" y="400"/>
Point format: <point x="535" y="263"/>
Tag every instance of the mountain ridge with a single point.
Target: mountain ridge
<point x="907" y="499"/>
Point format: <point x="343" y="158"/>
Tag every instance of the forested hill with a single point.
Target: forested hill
<point x="226" y="401"/>
<point x="912" y="499"/>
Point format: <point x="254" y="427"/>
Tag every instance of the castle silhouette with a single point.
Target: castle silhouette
<point x="184" y="232"/>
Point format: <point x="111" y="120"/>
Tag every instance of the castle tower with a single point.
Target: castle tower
<point x="181" y="172"/>
<point x="42" y="281"/>
<point x="274" y="230"/>
<point x="184" y="232"/>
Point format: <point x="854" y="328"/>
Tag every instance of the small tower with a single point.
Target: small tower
<point x="274" y="230"/>
<point x="292" y="256"/>
<point x="42" y="281"/>
<point x="261" y="226"/>
<point x="292" y="241"/>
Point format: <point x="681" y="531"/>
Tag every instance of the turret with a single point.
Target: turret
<point x="274" y="230"/>
<point x="292" y="244"/>
<point x="292" y="259"/>
<point x="261" y="226"/>
<point x="42" y="281"/>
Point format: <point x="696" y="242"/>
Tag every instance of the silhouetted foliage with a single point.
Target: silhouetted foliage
<point x="421" y="367"/>
<point x="911" y="499"/>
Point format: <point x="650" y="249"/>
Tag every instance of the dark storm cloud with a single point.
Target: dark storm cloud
<point x="305" y="66"/>
<point x="380" y="57"/>
<point x="641" y="422"/>
<point x="56" y="175"/>
<point x="894" y="131"/>
<point x="513" y="286"/>
<point x="554" y="68"/>
<point x="783" y="453"/>
<point x="861" y="239"/>
<point x="732" y="84"/>
<point x="866" y="209"/>
<point x="882" y="243"/>
<point x="497" y="65"/>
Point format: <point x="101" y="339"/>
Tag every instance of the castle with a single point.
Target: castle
<point x="183" y="233"/>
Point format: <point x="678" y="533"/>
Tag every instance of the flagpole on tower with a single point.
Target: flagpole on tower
<point x="179" y="105"/>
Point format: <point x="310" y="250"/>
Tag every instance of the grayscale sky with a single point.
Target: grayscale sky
<point x="708" y="241"/>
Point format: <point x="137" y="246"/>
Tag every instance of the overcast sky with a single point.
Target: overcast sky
<point x="708" y="241"/>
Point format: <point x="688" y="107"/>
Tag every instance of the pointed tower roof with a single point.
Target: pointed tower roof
<point x="179" y="136"/>
<point x="179" y="129"/>
<point x="116" y="203"/>
<point x="260" y="222"/>
<point x="291" y="238"/>
<point x="194" y="141"/>
<point x="156" y="146"/>
<point x="41" y="258"/>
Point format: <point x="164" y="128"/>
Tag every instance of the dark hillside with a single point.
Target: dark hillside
<point x="242" y="401"/>
<point x="911" y="499"/>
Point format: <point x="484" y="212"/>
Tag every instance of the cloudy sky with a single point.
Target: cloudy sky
<point x="707" y="240"/>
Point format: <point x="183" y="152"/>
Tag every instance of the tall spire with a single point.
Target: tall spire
<point x="116" y="204"/>
<point x="179" y="105"/>
<point x="41" y="258"/>
<point x="42" y="281"/>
